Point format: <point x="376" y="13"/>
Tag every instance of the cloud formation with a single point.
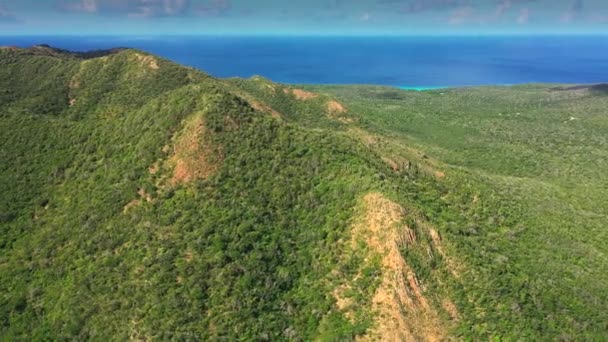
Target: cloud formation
<point x="318" y="16"/>
<point x="574" y="11"/>
<point x="214" y="8"/>
<point x="504" y="6"/>
<point x="493" y="12"/>
<point x="458" y="12"/>
<point x="132" y="8"/>
<point x="524" y="16"/>
<point x="420" y="6"/>
<point x="474" y="12"/>
<point x="461" y="15"/>
<point x="7" y="16"/>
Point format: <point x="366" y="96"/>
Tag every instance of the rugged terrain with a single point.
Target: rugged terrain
<point x="146" y="200"/>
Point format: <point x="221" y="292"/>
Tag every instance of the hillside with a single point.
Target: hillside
<point x="146" y="200"/>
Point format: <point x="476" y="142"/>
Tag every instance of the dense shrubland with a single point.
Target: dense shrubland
<point x="142" y="199"/>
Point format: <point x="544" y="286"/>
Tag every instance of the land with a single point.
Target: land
<point x="146" y="200"/>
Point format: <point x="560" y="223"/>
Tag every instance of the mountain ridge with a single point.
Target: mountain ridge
<point x="147" y="200"/>
<point x="46" y="49"/>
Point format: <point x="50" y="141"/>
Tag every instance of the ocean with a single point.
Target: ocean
<point x="407" y="62"/>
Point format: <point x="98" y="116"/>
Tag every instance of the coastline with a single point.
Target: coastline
<point x="423" y="88"/>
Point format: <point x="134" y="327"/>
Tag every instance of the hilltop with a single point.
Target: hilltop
<point x="47" y="50"/>
<point x="147" y="200"/>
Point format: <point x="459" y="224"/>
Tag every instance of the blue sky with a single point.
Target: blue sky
<point x="323" y="17"/>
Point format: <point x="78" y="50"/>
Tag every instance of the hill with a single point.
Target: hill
<point x="146" y="200"/>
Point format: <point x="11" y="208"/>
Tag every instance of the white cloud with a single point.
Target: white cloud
<point x="524" y="16"/>
<point x="461" y="15"/>
<point x="132" y="8"/>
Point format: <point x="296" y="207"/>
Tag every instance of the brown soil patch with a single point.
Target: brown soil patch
<point x="337" y="111"/>
<point x="451" y="309"/>
<point x="192" y="158"/>
<point x="144" y="196"/>
<point x="342" y="301"/>
<point x="393" y="164"/>
<point x="336" y="107"/>
<point x="131" y="205"/>
<point x="72" y="86"/>
<point x="301" y="95"/>
<point x="435" y="237"/>
<point x="403" y="312"/>
<point x="366" y="137"/>
<point x="188" y="257"/>
<point x="136" y="333"/>
<point x="74" y="83"/>
<point x="148" y="61"/>
<point x="154" y="168"/>
<point x="260" y="107"/>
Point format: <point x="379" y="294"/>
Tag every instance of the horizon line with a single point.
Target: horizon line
<point x="375" y="35"/>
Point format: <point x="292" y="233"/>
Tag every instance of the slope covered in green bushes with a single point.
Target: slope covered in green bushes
<point x="146" y="200"/>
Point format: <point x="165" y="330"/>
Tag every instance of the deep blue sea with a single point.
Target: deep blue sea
<point x="404" y="62"/>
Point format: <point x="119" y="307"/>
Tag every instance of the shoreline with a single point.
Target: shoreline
<point x="423" y="88"/>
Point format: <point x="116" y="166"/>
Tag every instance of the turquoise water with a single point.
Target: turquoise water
<point x="422" y="88"/>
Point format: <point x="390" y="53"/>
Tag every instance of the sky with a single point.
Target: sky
<point x="302" y="17"/>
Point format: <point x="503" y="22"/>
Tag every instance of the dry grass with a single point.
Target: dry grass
<point x="335" y="107"/>
<point x="143" y="196"/>
<point x="400" y="156"/>
<point x="192" y="158"/>
<point x="260" y="107"/>
<point x="403" y="312"/>
<point x="451" y="309"/>
<point x="134" y="203"/>
<point x="454" y="266"/>
<point x="10" y="48"/>
<point x="188" y="257"/>
<point x="393" y="164"/>
<point x="154" y="168"/>
<point x="366" y="137"/>
<point x="300" y="95"/>
<point x="147" y="61"/>
<point x="343" y="302"/>
<point x="337" y="111"/>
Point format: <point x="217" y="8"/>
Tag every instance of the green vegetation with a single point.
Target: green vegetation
<point x="145" y="200"/>
<point x="525" y="194"/>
